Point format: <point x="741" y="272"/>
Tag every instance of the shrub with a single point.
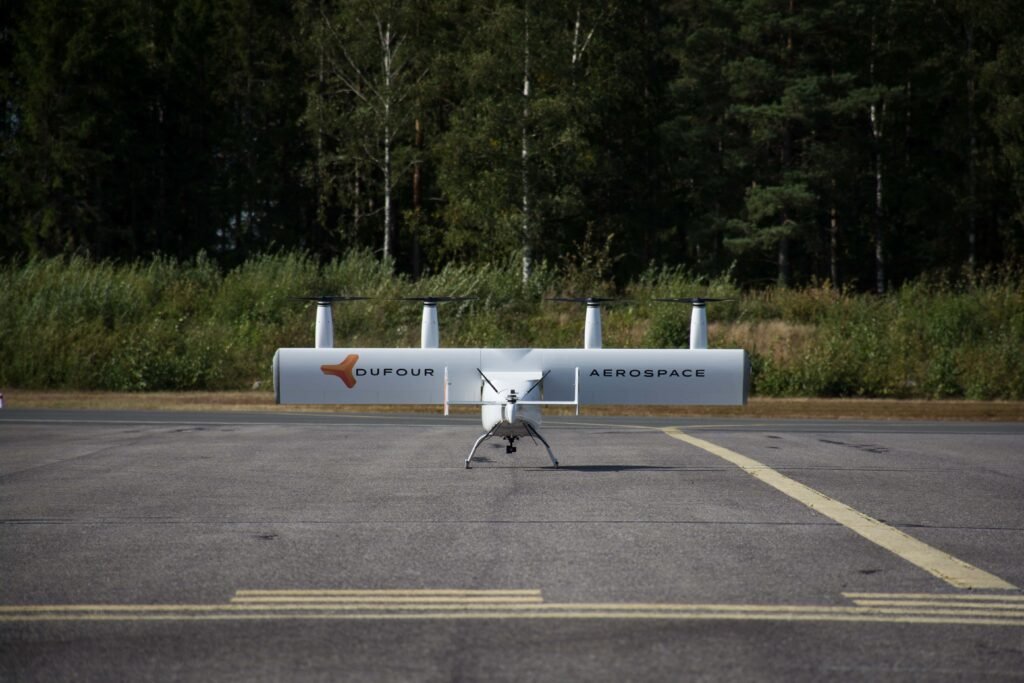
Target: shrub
<point x="160" y="324"/>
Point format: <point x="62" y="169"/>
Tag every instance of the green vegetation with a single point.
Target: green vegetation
<point x="75" y="324"/>
<point x="863" y="142"/>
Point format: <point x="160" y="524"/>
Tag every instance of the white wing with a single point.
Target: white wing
<point x="375" y="376"/>
<point x="417" y="376"/>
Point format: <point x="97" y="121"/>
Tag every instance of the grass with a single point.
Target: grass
<point x="78" y="325"/>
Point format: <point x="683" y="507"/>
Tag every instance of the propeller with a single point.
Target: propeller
<point x="329" y="298"/>
<point x="695" y="300"/>
<point x="582" y="299"/>
<point x="430" y="332"/>
<point x="434" y="299"/>
<point x="324" y="331"/>
<point x="537" y="383"/>
<point x="698" y="318"/>
<point x="592" y="326"/>
<point x="486" y="379"/>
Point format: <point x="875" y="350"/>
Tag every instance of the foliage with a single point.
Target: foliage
<point x="162" y="324"/>
<point x="862" y="143"/>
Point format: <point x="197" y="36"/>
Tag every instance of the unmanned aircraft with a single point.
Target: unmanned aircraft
<point x="510" y="385"/>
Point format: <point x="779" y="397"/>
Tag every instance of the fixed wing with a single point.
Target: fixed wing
<point x="511" y="385"/>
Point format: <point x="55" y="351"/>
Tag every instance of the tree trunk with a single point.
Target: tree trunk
<point x="879" y="214"/>
<point x="417" y="195"/>
<point x="525" y="236"/>
<point x="833" y="244"/>
<point x="320" y="174"/>
<point x="389" y="220"/>
<point x="357" y="208"/>
<point x="784" y="265"/>
<point x="972" y="154"/>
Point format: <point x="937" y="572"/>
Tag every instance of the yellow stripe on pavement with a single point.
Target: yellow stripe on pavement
<point x="382" y="600"/>
<point x="935" y="596"/>
<point x="623" y="611"/>
<point x="326" y="592"/>
<point x="954" y="571"/>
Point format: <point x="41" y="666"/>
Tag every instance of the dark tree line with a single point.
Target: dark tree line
<point x="862" y="142"/>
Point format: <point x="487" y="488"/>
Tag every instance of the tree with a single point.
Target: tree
<point x="74" y="125"/>
<point x="259" y="148"/>
<point x="778" y="96"/>
<point x="362" y="105"/>
<point x="544" y="151"/>
<point x="1003" y="79"/>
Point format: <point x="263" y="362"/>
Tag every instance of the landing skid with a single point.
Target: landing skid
<point x="511" y="440"/>
<point x="486" y="435"/>
<point x="535" y="433"/>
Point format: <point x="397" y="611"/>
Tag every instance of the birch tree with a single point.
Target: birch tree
<point x="361" y="110"/>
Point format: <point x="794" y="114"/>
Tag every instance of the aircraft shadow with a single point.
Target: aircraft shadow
<point x="613" y="468"/>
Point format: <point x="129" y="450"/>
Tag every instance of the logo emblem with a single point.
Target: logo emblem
<point x="343" y="370"/>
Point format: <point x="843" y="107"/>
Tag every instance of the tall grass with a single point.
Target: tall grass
<point x="74" y="323"/>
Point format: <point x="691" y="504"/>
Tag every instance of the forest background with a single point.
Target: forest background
<point x="170" y="172"/>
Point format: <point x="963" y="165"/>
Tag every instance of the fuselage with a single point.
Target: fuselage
<point x="506" y="415"/>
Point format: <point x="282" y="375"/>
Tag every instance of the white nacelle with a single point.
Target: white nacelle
<point x="324" y="325"/>
<point x="430" y="334"/>
<point x="592" y="327"/>
<point x="699" y="326"/>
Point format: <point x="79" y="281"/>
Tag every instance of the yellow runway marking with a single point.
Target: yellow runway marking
<point x="991" y="610"/>
<point x="328" y="592"/>
<point x="382" y="600"/>
<point x="923" y="601"/>
<point x="942" y="621"/>
<point x="386" y="597"/>
<point x="553" y="611"/>
<point x="934" y="596"/>
<point x="946" y="567"/>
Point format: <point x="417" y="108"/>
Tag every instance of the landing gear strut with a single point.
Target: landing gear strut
<point x="511" y="447"/>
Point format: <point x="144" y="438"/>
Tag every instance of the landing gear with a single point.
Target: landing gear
<point x="486" y="435"/>
<point x="535" y="433"/>
<point x="511" y="447"/>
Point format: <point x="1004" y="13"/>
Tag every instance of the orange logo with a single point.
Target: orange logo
<point x="343" y="370"/>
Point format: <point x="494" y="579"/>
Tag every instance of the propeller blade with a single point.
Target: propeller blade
<point x="434" y="299"/>
<point x="487" y="380"/>
<point x="695" y="300"/>
<point x="329" y="298"/>
<point x="527" y="392"/>
<point x="582" y="299"/>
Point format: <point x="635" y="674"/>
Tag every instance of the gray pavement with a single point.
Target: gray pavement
<point x="232" y="546"/>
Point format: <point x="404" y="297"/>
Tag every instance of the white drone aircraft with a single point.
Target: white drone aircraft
<point x="511" y="385"/>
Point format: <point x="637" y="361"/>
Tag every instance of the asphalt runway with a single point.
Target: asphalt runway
<point x="287" y="546"/>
